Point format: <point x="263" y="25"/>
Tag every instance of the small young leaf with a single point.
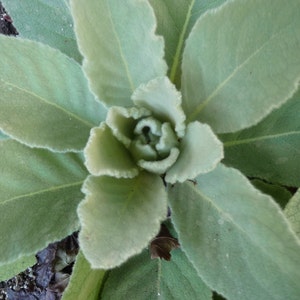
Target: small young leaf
<point x="45" y="101"/>
<point x="200" y="152"/>
<point x="175" y="20"/>
<point x="241" y="61"/>
<point x="292" y="212"/>
<point x="121" y="51"/>
<point x="39" y="194"/>
<point x="236" y="237"/>
<point x="143" y="278"/>
<point x="269" y="150"/>
<point x="45" y="21"/>
<point x="85" y="282"/>
<point x="119" y="217"/>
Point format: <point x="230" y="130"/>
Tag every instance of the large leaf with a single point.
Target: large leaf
<point x="143" y="278"/>
<point x="85" y="283"/>
<point x="119" y="217"/>
<point x="45" y="21"/>
<point x="292" y="212"/>
<point x="15" y="267"/>
<point x="39" y="193"/>
<point x="175" y="20"/>
<point x="45" y="101"/>
<point x="236" y="237"/>
<point x="241" y="61"/>
<point x="120" y="49"/>
<point x="269" y="150"/>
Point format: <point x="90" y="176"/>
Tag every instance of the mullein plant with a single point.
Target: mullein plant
<point x="120" y="118"/>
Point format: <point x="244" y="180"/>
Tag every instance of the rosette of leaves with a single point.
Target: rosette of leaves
<point x="107" y="144"/>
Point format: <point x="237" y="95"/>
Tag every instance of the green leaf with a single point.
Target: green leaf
<point x="49" y="22"/>
<point x="236" y="237"/>
<point x="85" y="282"/>
<point x="143" y="278"/>
<point x="175" y="20"/>
<point x="241" y="61"/>
<point x="279" y="193"/>
<point x="16" y="267"/>
<point x="161" y="98"/>
<point x="292" y="212"/>
<point x="121" y="51"/>
<point x="119" y="217"/>
<point x="269" y="150"/>
<point x="45" y="101"/>
<point x="39" y="194"/>
<point x="3" y="136"/>
<point x="105" y="155"/>
<point x="200" y="152"/>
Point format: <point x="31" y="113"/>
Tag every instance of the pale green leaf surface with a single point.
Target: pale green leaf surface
<point x="271" y="149"/>
<point x="45" y="101"/>
<point x="39" y="194"/>
<point x="3" y="136"/>
<point x="143" y="278"/>
<point x="119" y="217"/>
<point x="16" y="267"/>
<point x="105" y="155"/>
<point x="292" y="212"/>
<point x="200" y="152"/>
<point x="241" y="61"/>
<point x="163" y="100"/>
<point x="45" y="21"/>
<point x="279" y="193"/>
<point x="236" y="237"/>
<point x="175" y="20"/>
<point x="121" y="51"/>
<point x="85" y="282"/>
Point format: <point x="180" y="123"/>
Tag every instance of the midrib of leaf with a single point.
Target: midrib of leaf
<point x="49" y="103"/>
<point x="130" y="81"/>
<point x="181" y="40"/>
<point x="261" y="138"/>
<point x="40" y="192"/>
<point x="203" y="104"/>
<point x="158" y="282"/>
<point x="239" y="228"/>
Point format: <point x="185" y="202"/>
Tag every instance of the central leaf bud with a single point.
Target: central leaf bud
<point x="152" y="143"/>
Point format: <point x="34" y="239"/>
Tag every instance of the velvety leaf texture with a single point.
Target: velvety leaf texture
<point x="241" y="61"/>
<point x="45" y="101"/>
<point x="85" y="283"/>
<point x="269" y="150"/>
<point x="39" y="193"/>
<point x="119" y="217"/>
<point x="120" y="48"/>
<point x="236" y="237"/>
<point x="292" y="212"/>
<point x="175" y="20"/>
<point x="49" y="22"/>
<point x="143" y="278"/>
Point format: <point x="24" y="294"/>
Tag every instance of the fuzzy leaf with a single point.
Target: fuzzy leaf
<point x="161" y="98"/>
<point x="85" y="283"/>
<point x="9" y="270"/>
<point x="269" y="150"/>
<point x="39" y="193"/>
<point x="105" y="155"/>
<point x="119" y="217"/>
<point x="241" y="61"/>
<point x="175" y="20"/>
<point x="200" y="152"/>
<point x="45" y="101"/>
<point x="143" y="278"/>
<point x="120" y="49"/>
<point x="45" y="21"/>
<point x="292" y="212"/>
<point x="236" y="237"/>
